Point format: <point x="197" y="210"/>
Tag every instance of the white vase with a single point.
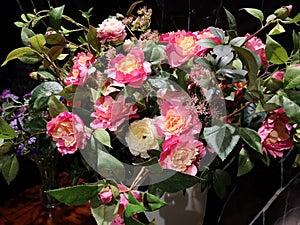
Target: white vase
<point x="188" y="208"/>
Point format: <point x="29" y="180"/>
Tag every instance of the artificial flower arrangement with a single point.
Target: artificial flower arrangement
<point x="151" y="113"/>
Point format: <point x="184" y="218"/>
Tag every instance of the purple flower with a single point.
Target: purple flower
<point x="21" y="149"/>
<point x="7" y="94"/>
<point x="14" y="124"/>
<point x="31" y="140"/>
<point x="28" y="95"/>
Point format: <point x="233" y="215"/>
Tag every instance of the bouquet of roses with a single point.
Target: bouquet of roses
<point x="154" y="113"/>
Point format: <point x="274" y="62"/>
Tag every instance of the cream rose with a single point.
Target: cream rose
<point x="141" y="137"/>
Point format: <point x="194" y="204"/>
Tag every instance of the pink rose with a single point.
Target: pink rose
<point x="275" y="133"/>
<point x="67" y="129"/>
<point x="182" y="153"/>
<point x="110" y="113"/>
<point x="78" y="75"/>
<point x="130" y="69"/>
<point x="84" y="59"/>
<point x="182" y="45"/>
<point x="106" y="196"/>
<point x="119" y="218"/>
<point x="258" y="47"/>
<point x="79" y="72"/>
<point x="178" y="114"/>
<point x="111" y="29"/>
<point x="278" y="75"/>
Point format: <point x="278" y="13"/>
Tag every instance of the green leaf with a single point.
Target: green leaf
<point x="278" y="29"/>
<point x="177" y="182"/>
<point x="19" y="24"/>
<point x="222" y="139"/>
<point x="102" y="136"/>
<point x="55" y="39"/>
<point x="26" y="34"/>
<point x="291" y="108"/>
<point x="296" y="19"/>
<point x="41" y="102"/>
<point x="236" y="74"/>
<point x="46" y="89"/>
<point x="73" y="91"/>
<point x="41" y="94"/>
<point x="75" y="195"/>
<point x="296" y="163"/>
<point x="154" y="53"/>
<point x="256" y="13"/>
<point x="6" y="131"/>
<point x="104" y="214"/>
<point x="53" y="54"/>
<point x="291" y="78"/>
<point x="16" y="53"/>
<point x="56" y="106"/>
<point x="37" y="42"/>
<point x="275" y="53"/>
<point x="55" y="16"/>
<point x="220" y="180"/>
<point x="219" y="33"/>
<point x="231" y="20"/>
<point x="244" y="164"/>
<point x="270" y="18"/>
<point x="151" y="202"/>
<point x="296" y="42"/>
<point x="222" y="50"/>
<point x="204" y="62"/>
<point x="46" y="75"/>
<point x="134" y="206"/>
<point x="206" y="43"/>
<point x="10" y="169"/>
<point x="251" y="137"/>
<point x="109" y="166"/>
<point x="37" y="124"/>
<point x="92" y="38"/>
<point x="30" y="58"/>
<point x="238" y="41"/>
<point x="250" y="61"/>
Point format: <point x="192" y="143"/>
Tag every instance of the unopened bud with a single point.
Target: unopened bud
<point x="283" y="12"/>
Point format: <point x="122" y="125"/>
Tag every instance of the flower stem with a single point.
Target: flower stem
<point x="258" y="31"/>
<point x="237" y="110"/>
<point x="143" y="172"/>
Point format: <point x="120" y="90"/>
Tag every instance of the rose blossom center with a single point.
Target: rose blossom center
<point x="183" y="158"/>
<point x="66" y="130"/>
<point x="128" y="64"/>
<point x="141" y="131"/>
<point x="173" y="122"/>
<point x="187" y="43"/>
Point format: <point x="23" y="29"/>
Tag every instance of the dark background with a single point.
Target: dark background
<point x="246" y="195"/>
